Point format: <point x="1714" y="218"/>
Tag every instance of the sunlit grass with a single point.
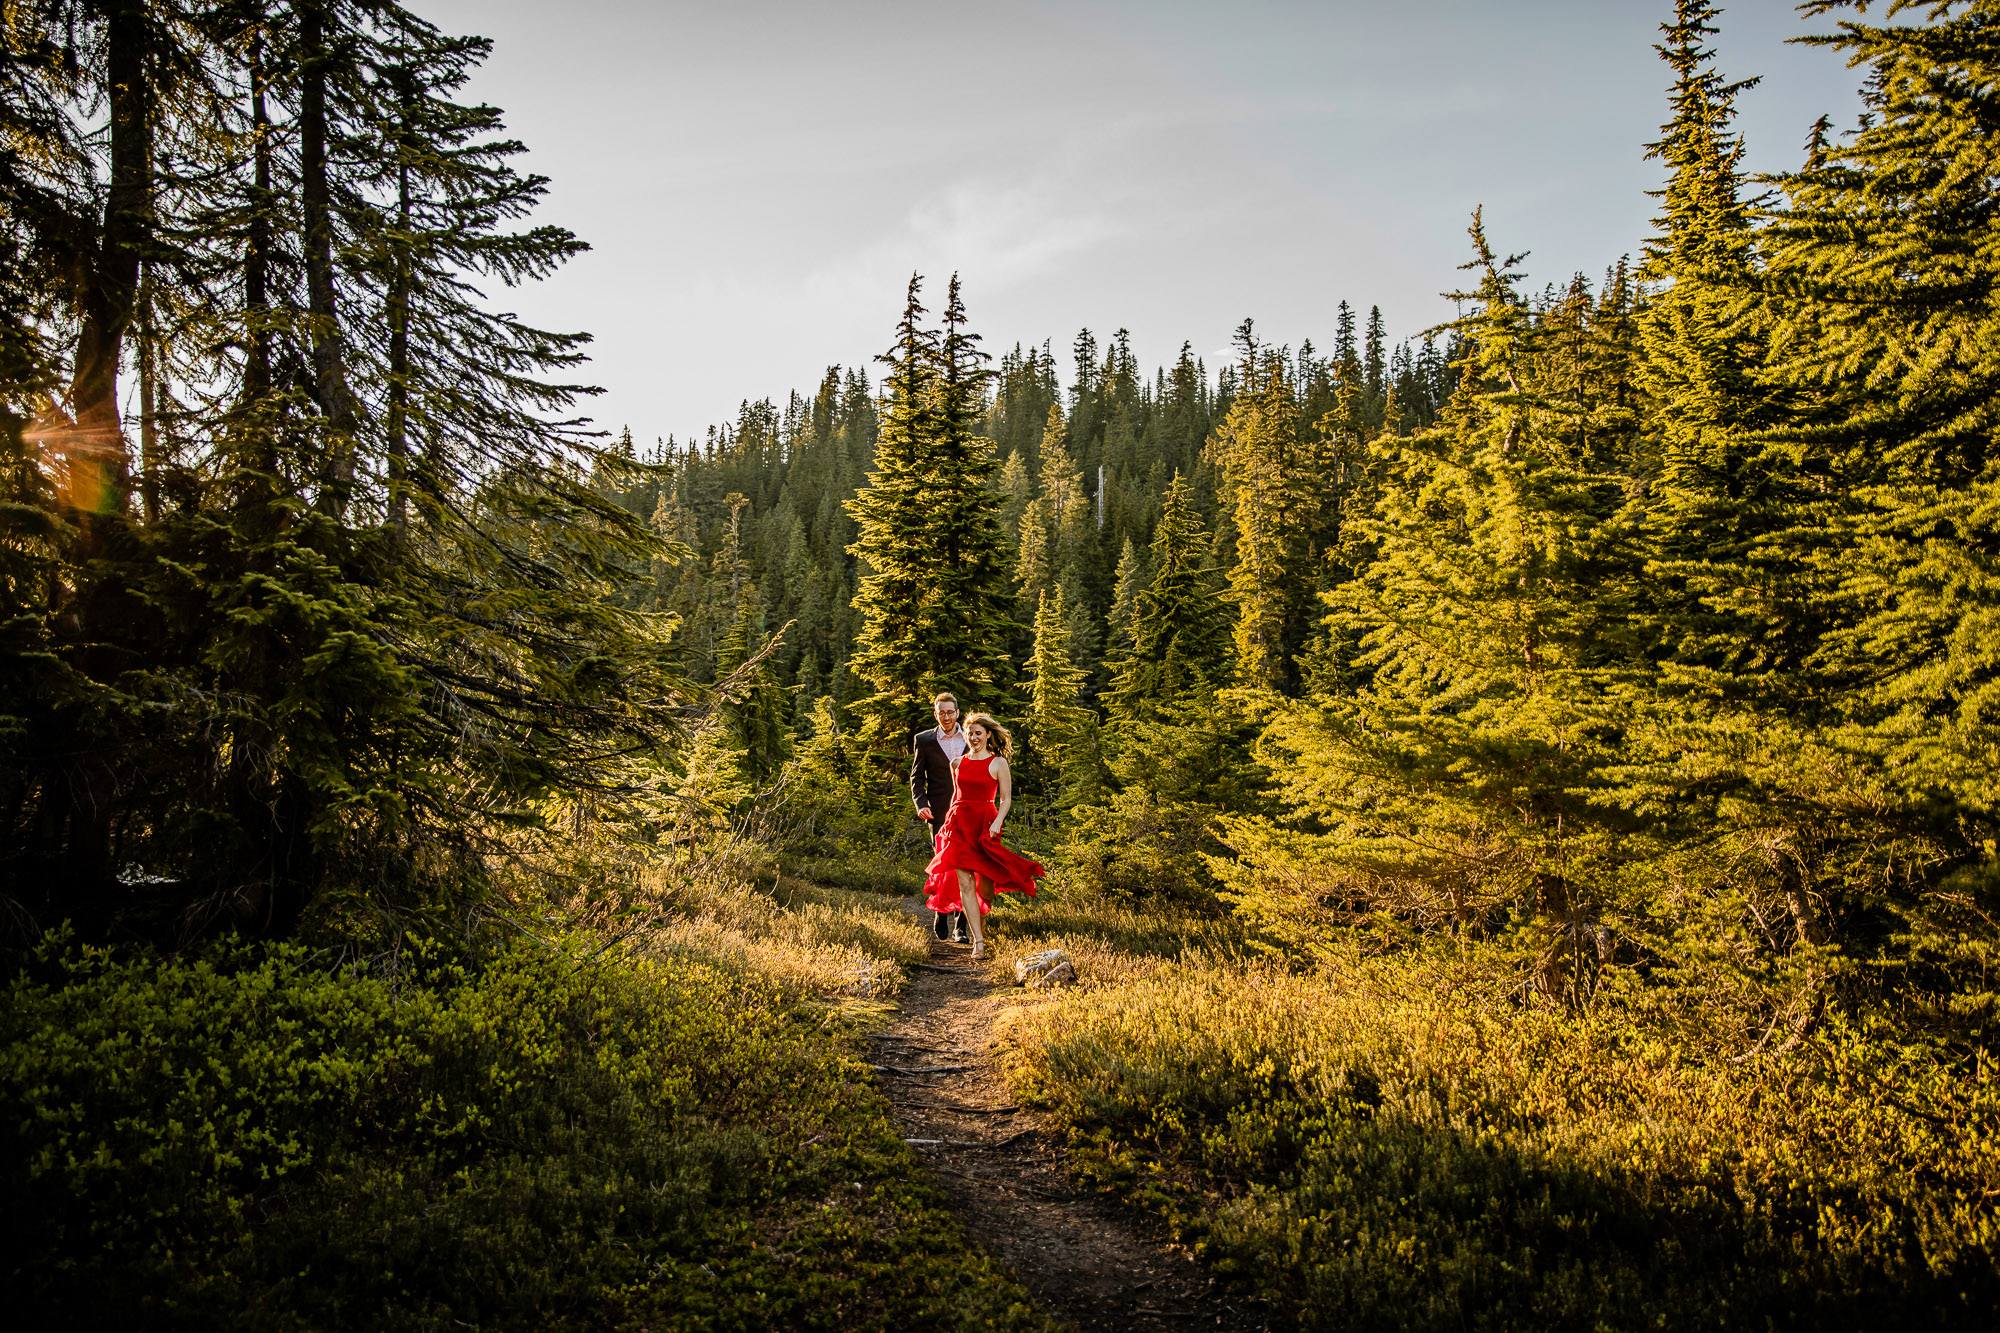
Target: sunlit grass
<point x="809" y="938"/>
<point x="1394" y="1142"/>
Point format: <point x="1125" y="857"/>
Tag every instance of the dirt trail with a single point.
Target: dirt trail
<point x="1087" y="1260"/>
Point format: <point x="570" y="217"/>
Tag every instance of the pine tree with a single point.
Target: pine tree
<point x="1060" y="731"/>
<point x="1017" y="493"/>
<point x="1375" y="368"/>
<point x="1346" y="350"/>
<point x="933" y="593"/>
<point x="754" y="706"/>
<point x="1883" y="282"/>
<point x="973" y="549"/>
<point x="1130" y="581"/>
<point x="1494" y="620"/>
<point x="1065" y="500"/>
<point x="1053" y="522"/>
<point x="1179" y="641"/>
<point x="387" y="705"/>
<point x="1260" y="462"/>
<point x="896" y="592"/>
<point x="1717" y="495"/>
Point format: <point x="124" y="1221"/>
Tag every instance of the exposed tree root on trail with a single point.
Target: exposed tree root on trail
<point x="1086" y="1259"/>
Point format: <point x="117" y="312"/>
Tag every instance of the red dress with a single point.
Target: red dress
<point x="965" y="844"/>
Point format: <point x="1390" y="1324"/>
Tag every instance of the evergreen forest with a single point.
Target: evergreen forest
<point x="1519" y="795"/>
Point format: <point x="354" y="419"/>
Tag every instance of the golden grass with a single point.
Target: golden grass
<point x="1606" y="1087"/>
<point x="1287" y="1100"/>
<point x="1110" y="943"/>
<point x="810" y="939"/>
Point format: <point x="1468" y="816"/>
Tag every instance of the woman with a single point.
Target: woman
<point x="970" y="859"/>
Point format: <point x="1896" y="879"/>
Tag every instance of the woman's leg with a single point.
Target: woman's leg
<point x="968" y="902"/>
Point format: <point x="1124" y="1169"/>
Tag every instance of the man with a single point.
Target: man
<point x="932" y="753"/>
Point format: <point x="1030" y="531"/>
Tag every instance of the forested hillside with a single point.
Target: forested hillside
<point x="1520" y="794"/>
<point x="1083" y="472"/>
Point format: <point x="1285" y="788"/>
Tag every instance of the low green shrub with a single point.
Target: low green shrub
<point x="1372" y="1148"/>
<point x="538" y="1139"/>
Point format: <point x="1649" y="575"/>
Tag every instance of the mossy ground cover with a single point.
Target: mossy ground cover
<point x="535" y="1135"/>
<point x="1396" y="1143"/>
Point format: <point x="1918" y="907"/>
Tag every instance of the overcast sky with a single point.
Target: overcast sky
<point x="758" y="178"/>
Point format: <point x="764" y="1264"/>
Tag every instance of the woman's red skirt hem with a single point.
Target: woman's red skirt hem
<point x="975" y="850"/>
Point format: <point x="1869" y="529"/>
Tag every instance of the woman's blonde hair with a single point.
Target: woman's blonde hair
<point x="999" y="740"/>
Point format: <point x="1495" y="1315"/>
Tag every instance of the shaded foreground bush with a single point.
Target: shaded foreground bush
<point x="538" y="1140"/>
<point x="1368" y="1148"/>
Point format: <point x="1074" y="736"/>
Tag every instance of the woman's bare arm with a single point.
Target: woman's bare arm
<point x="1005" y="772"/>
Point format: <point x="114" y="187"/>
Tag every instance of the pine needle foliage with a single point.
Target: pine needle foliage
<point x="1179" y="644"/>
<point x="1491" y="621"/>
<point x="1267" y="485"/>
<point x="1061" y="732"/>
<point x="936" y="558"/>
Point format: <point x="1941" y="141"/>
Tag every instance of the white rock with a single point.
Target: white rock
<point x="1037" y="968"/>
<point x="1061" y="974"/>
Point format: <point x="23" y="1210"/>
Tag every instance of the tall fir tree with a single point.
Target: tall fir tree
<point x="1128" y="582"/>
<point x="1179" y="638"/>
<point x="1883" y="282"/>
<point x="1257" y="444"/>
<point x="1493" y="620"/>
<point x="1719" y="493"/>
<point x="933" y="593"/>
<point x="1060" y="730"/>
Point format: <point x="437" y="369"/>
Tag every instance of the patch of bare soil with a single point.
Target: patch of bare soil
<point x="1085" y="1258"/>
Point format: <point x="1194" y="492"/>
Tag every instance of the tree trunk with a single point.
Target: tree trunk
<point x="109" y="286"/>
<point x="399" y="317"/>
<point x="1798" y="897"/>
<point x="1552" y="968"/>
<point x="149" y="429"/>
<point x="330" y="389"/>
<point x="1810" y="1003"/>
<point x="257" y="257"/>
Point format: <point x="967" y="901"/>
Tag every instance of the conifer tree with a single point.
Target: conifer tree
<point x="1494" y="619"/>
<point x="1883" y="283"/>
<point x="933" y="593"/>
<point x="1130" y="580"/>
<point x="1085" y="641"/>
<point x="1257" y="443"/>
<point x="1718" y="493"/>
<point x="1374" y="366"/>
<point x="1059" y="726"/>
<point x="386" y="708"/>
<point x="1017" y="492"/>
<point x="1052" y="520"/>
<point x="974" y="546"/>
<point x="896" y="593"/>
<point x="755" y="707"/>
<point x="1179" y="640"/>
<point x="1346" y="350"/>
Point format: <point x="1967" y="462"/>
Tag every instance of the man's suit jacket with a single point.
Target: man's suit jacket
<point x="930" y="774"/>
